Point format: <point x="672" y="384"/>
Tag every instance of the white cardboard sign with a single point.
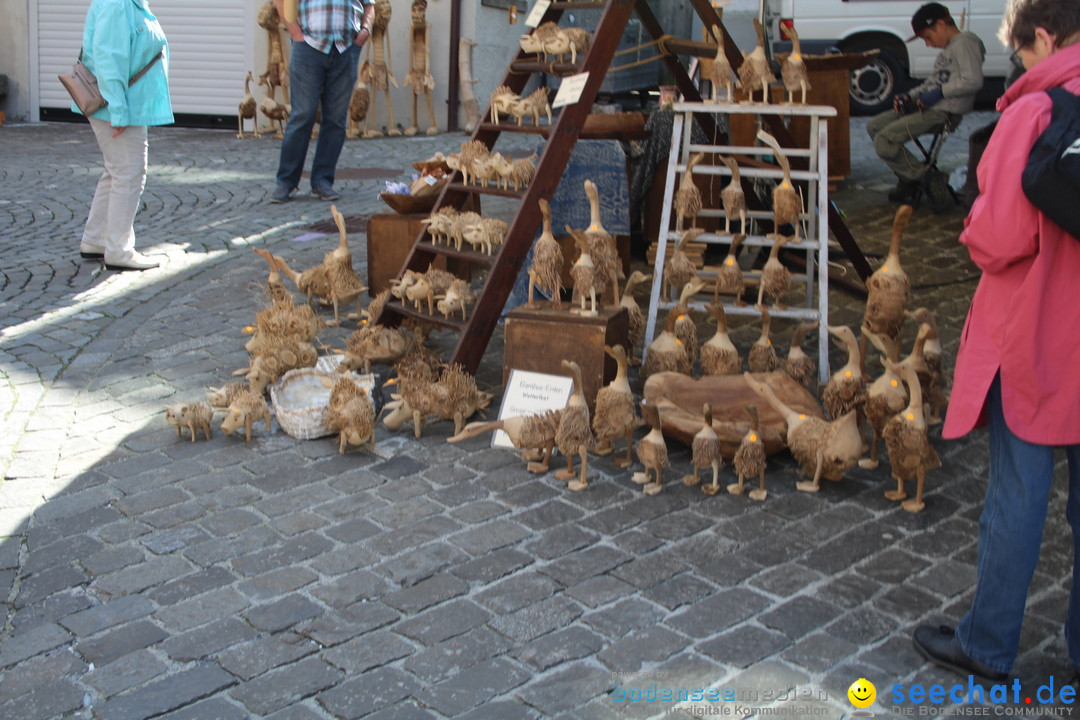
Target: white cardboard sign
<point x="570" y="90"/>
<point x="530" y="393"/>
<point x="537" y="13"/>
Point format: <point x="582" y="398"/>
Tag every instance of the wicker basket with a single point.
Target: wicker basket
<point x="300" y="397"/>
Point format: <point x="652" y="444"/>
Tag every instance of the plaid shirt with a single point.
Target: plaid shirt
<point x="326" y="23"/>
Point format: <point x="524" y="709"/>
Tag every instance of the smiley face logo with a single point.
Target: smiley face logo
<point x="862" y="693"/>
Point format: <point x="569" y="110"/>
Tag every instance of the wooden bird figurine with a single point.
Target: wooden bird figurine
<point x="532" y="434"/>
<point x="786" y="203"/>
<point x="755" y="73"/>
<point x="799" y="366"/>
<point x="846" y="390"/>
<point x="750" y="459"/>
<point x="706" y="454"/>
<point x="685" y="328"/>
<point x="651" y="451"/>
<point x="793" y="71"/>
<point x="910" y="452"/>
<point x="345" y="284"/>
<point x="934" y="394"/>
<point x="762" y="357"/>
<point x="885" y="397"/>
<point x="547" y="264"/>
<point x="246" y="109"/>
<point x="615" y="415"/>
<point x="721" y="73"/>
<point x="719" y="356"/>
<point x="729" y="276"/>
<point x="679" y="268"/>
<point x="823" y="449"/>
<point x="574" y="434"/>
<point x="733" y="197"/>
<point x="889" y="288"/>
<point x="601" y="246"/>
<point x="666" y="353"/>
<point x="917" y="360"/>
<point x="775" y="277"/>
<point x="688" y="198"/>
<point x="636" y="316"/>
<point x="585" y="276"/>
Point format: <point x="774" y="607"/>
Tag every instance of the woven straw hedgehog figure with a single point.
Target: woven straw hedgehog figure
<point x="194" y="416"/>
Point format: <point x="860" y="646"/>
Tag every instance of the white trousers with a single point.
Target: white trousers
<point x="116" y="200"/>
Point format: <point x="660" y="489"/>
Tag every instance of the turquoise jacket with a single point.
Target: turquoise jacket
<point x="119" y="39"/>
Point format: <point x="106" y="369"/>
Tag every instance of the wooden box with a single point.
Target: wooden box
<point x="539" y="340"/>
<point x="390" y="238"/>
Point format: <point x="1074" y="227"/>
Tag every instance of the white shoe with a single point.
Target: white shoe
<point x="91" y="252"/>
<point x="133" y="260"/>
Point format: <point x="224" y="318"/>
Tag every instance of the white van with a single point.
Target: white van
<point x="852" y="26"/>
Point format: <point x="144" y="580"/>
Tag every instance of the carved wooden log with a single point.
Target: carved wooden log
<point x="680" y="398"/>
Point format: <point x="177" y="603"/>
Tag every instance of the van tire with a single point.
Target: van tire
<point x="873" y="86"/>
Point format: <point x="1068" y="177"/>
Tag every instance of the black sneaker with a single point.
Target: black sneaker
<point x="281" y="194"/>
<point x="325" y="193"/>
<point x="904" y="192"/>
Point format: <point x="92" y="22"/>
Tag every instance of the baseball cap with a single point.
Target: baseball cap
<point x="926" y="16"/>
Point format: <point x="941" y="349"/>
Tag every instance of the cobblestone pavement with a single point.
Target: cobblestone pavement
<point x="145" y="576"/>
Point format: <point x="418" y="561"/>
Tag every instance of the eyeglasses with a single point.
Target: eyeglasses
<point x="1014" y="58"/>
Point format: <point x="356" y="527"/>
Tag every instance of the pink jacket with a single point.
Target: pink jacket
<point x="1024" y="320"/>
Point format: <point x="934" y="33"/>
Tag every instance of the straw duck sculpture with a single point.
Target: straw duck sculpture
<point x="275" y="288"/>
<point x="687" y="200"/>
<point x="679" y="268"/>
<point x="822" y="448"/>
<point x="729" y="276"/>
<point x="935" y="396"/>
<point x="885" y="397"/>
<point x="888" y="288"/>
<point x="719" y="356"/>
<point x="685" y="327"/>
<point x="706" y="454"/>
<point x="601" y="246"/>
<point x="274" y="111"/>
<point x="636" y="316"/>
<point x="533" y="434"/>
<point x="666" y="353"/>
<point x="246" y="109"/>
<point x="733" y="197"/>
<point x="786" y="202"/>
<point x="910" y="452"/>
<point x="651" y="451"/>
<point x="793" y="72"/>
<point x="313" y="282"/>
<point x="574" y="435"/>
<point x="345" y="284"/>
<point x="546" y="269"/>
<point x="775" y="278"/>
<point x="846" y="389"/>
<point x="755" y="73"/>
<point x="762" y="357"/>
<point x="721" y="74"/>
<point x="750" y="459"/>
<point x="615" y="415"/>
<point x="585" y="275"/>
<point x="799" y="366"/>
<point x="350" y="414"/>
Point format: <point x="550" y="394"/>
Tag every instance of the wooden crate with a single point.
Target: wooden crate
<point x="390" y="238"/>
<point x="539" y="340"/>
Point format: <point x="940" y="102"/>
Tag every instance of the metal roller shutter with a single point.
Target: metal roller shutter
<point x="211" y="45"/>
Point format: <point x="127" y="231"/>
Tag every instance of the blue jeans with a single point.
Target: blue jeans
<point x="1010" y="537"/>
<point x="316" y="79"/>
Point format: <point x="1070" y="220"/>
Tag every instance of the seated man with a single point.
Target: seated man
<point x="946" y="95"/>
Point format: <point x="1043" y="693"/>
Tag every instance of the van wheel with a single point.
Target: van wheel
<point x="873" y="86"/>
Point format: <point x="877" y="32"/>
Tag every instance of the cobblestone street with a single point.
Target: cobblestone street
<point x="146" y="576"/>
